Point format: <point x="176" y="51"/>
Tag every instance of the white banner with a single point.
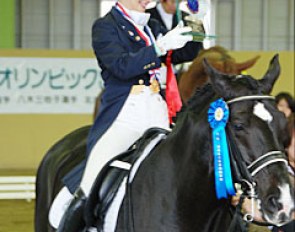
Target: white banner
<point x="48" y="85"/>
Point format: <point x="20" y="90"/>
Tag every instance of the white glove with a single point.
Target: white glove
<point x="174" y="39"/>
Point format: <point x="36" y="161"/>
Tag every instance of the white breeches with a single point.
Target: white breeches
<point x="140" y="112"/>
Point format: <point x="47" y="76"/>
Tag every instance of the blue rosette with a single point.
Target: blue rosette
<point x="193" y="5"/>
<point x="218" y="115"/>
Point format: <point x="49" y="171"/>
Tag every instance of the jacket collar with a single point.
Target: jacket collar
<point x="126" y="26"/>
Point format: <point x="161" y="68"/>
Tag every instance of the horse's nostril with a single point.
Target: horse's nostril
<point x="273" y="204"/>
<point x="283" y="217"/>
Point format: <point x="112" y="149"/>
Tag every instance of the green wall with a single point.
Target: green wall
<point x="7" y="23"/>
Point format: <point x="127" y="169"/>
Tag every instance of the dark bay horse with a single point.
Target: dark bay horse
<point x="220" y="59"/>
<point x="174" y="191"/>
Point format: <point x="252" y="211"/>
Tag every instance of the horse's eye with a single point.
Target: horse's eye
<point x="238" y="126"/>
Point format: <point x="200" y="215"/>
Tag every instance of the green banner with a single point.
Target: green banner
<point x="7" y="23"/>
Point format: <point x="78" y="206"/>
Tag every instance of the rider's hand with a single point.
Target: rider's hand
<point x="174" y="39"/>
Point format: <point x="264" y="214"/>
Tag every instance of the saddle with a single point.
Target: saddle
<point x="109" y="179"/>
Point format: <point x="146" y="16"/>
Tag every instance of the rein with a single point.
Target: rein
<point x="244" y="174"/>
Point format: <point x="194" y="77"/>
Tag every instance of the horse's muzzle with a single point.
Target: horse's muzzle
<point x="279" y="207"/>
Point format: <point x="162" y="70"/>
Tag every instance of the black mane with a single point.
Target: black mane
<point x="201" y="95"/>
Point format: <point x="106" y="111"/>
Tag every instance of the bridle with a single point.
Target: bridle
<point x="245" y="174"/>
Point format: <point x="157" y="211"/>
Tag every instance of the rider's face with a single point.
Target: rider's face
<point x="169" y="6"/>
<point x="136" y="5"/>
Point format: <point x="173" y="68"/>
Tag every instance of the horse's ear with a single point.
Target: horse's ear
<point x="272" y="74"/>
<point x="220" y="81"/>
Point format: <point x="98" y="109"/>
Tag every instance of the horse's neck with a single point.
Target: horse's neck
<point x="191" y="134"/>
<point x="194" y="172"/>
<point x="174" y="188"/>
<point x="167" y="193"/>
<point x="192" y="138"/>
<point x="180" y="177"/>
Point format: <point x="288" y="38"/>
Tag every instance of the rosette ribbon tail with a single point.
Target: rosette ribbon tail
<point x="217" y="116"/>
<point x="223" y="177"/>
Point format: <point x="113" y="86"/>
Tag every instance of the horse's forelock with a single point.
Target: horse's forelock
<point x="252" y="84"/>
<point x="241" y="85"/>
<point x="201" y="95"/>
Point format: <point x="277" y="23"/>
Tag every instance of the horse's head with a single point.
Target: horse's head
<point x="195" y="77"/>
<point x="260" y="136"/>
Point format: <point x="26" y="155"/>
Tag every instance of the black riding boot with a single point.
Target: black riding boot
<point x="72" y="220"/>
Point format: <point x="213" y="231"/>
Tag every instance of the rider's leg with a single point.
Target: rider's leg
<point x="137" y="115"/>
<point x="59" y="206"/>
<point x="158" y="113"/>
<point x="117" y="139"/>
<point x="103" y="151"/>
<point x="111" y="144"/>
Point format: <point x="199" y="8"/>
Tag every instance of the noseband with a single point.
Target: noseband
<point x="244" y="174"/>
<point x="265" y="160"/>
